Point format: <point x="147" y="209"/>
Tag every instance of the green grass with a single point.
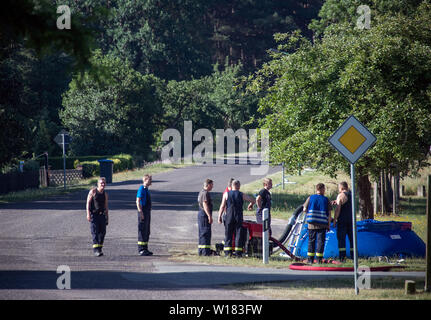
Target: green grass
<point x="284" y="202"/>
<point x="188" y="253"/>
<point x="41" y="193"/>
<point x="411" y="183"/>
<point x="387" y="288"/>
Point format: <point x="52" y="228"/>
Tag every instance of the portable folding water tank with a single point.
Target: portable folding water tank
<point x="375" y="238"/>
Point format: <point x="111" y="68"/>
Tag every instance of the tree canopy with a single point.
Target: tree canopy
<point x="380" y="75"/>
<point x="176" y="44"/>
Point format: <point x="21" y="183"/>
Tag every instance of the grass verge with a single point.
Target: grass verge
<point x="386" y="288"/>
<point x="188" y="253"/>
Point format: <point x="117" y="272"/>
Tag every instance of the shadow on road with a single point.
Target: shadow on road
<point x="119" y="199"/>
<point x="31" y="280"/>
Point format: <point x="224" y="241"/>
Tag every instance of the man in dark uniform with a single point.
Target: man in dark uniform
<point x="263" y="201"/>
<point x="205" y="218"/>
<point x="97" y="215"/>
<point x="143" y="203"/>
<point x="233" y="202"/>
<point x="343" y="219"/>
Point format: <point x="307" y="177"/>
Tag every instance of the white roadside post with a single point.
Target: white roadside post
<point x="352" y="139"/>
<point x="63" y="139"/>
<point x="265" y="235"/>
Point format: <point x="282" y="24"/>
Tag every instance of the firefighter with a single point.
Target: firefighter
<point x="97" y="215"/>
<point x="143" y="203"/>
<point x="205" y="218"/>
<point x="233" y="201"/>
<point x="263" y="200"/>
<point x="318" y="216"/>
<point x="343" y="219"/>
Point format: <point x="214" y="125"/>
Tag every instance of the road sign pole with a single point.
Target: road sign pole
<point x="265" y="235"/>
<point x="64" y="161"/>
<point x="282" y="175"/>
<point x="428" y="244"/>
<point x="352" y="139"/>
<point x="355" y="241"/>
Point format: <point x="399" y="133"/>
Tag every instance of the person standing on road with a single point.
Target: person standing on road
<point x="263" y="201"/>
<point x="143" y="203"/>
<point x="318" y="216"/>
<point x="343" y="219"/>
<point x="233" y="202"/>
<point x="205" y="218"/>
<point x="228" y="188"/>
<point x="97" y="215"/>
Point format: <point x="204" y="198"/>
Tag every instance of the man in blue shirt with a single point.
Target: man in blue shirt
<point x="143" y="203"/>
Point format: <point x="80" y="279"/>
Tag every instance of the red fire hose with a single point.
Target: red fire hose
<point x="307" y="267"/>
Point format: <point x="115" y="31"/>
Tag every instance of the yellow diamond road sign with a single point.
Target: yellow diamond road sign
<point x="352" y="139"/>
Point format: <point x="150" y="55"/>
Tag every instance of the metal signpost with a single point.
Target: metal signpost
<point x="63" y="139"/>
<point x="352" y="140"/>
<point x="428" y="244"/>
<point x="265" y="235"/>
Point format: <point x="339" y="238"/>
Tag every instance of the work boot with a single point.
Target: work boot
<point x="145" y="252"/>
<point x="237" y="254"/>
<point x="310" y="260"/>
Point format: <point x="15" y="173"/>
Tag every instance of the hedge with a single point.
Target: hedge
<point x="56" y="163"/>
<point x="122" y="162"/>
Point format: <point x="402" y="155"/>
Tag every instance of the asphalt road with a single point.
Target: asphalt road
<point x="39" y="236"/>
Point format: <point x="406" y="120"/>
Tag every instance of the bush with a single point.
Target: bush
<point x="122" y="162"/>
<point x="90" y="168"/>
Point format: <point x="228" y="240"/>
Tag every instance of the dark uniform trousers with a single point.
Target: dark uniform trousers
<point x="345" y="227"/>
<point x="343" y="230"/>
<point x="233" y="225"/>
<point x="233" y="229"/>
<point x="98" y="230"/>
<point x="320" y="235"/>
<point x="144" y="230"/>
<point x="204" y="247"/>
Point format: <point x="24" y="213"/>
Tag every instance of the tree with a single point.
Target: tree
<point x="114" y="115"/>
<point x="211" y="102"/>
<point x="166" y="38"/>
<point x="335" y="11"/>
<point x="380" y="75"/>
<point x="35" y="58"/>
<point x="243" y="30"/>
<point x="16" y="106"/>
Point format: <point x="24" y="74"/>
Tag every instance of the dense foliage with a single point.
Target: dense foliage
<point x="381" y="75"/>
<point x="163" y="52"/>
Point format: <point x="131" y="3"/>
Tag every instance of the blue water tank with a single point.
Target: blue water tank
<point x="375" y="238"/>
